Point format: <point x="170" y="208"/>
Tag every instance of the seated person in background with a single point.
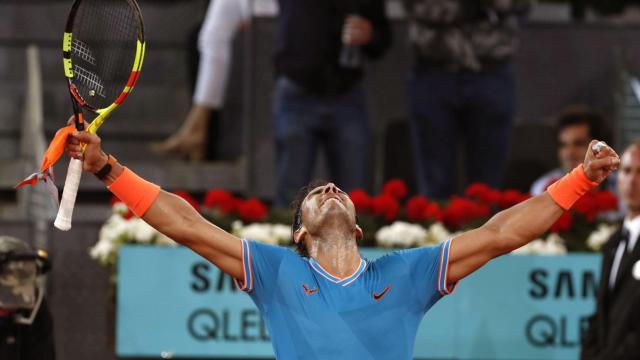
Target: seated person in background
<point x="26" y="326"/>
<point x="575" y="128"/>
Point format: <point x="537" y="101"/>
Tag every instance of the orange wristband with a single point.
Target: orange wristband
<point x="137" y="193"/>
<point x="566" y="191"/>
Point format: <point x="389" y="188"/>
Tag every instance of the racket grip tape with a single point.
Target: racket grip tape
<point x="65" y="212"/>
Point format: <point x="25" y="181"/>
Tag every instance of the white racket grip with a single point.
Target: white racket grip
<point x="65" y="212"/>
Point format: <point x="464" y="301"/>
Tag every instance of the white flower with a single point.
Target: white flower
<point x="236" y="227"/>
<point x="163" y="239"/>
<point x="282" y="233"/>
<point x="102" y="250"/>
<point x="115" y="227"/>
<point x="600" y="236"/>
<point x="401" y="234"/>
<point x="114" y="231"/>
<point x="552" y="245"/>
<point x="268" y="233"/>
<point x="141" y="232"/>
<point x="438" y="233"/>
<point x="119" y="208"/>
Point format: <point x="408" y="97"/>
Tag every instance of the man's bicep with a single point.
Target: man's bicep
<point x="219" y="247"/>
<point x="470" y="251"/>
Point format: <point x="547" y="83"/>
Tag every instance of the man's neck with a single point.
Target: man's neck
<point x="336" y="251"/>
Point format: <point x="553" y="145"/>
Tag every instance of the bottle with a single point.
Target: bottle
<point x="350" y="55"/>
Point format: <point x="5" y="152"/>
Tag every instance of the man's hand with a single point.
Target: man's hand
<point x="599" y="164"/>
<point x="357" y="31"/>
<point x="93" y="158"/>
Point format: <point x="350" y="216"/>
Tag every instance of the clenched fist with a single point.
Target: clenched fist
<point x="600" y="161"/>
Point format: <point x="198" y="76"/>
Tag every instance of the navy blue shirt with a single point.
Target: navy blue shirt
<point x="310" y="39"/>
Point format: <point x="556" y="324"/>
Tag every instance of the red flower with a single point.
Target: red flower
<point x="461" y="211"/>
<point x="512" y="197"/>
<point x="606" y="200"/>
<point x="395" y="188"/>
<point x="220" y="199"/>
<point x="420" y="208"/>
<point x="587" y="205"/>
<point x="186" y="196"/>
<point x="483" y="193"/>
<point x="361" y="200"/>
<point x="252" y="210"/>
<point x="564" y="223"/>
<point x="594" y="203"/>
<point x="416" y="207"/>
<point x="387" y="206"/>
<point x="433" y="212"/>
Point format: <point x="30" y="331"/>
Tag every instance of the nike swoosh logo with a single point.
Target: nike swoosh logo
<point x="380" y="295"/>
<point x="309" y="292"/>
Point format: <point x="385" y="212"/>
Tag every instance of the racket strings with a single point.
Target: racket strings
<point x="105" y="34"/>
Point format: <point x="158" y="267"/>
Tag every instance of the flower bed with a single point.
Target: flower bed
<point x="389" y="219"/>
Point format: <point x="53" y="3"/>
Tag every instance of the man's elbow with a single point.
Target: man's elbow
<point x="503" y="244"/>
<point x="508" y="243"/>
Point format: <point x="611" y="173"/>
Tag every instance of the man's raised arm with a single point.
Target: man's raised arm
<point x="520" y="224"/>
<point x="166" y="212"/>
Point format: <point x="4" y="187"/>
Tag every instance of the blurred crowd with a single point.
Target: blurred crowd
<point x="461" y="96"/>
<point x="460" y="92"/>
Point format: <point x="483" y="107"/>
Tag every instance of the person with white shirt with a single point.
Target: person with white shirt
<point x="614" y="329"/>
<point x="223" y="20"/>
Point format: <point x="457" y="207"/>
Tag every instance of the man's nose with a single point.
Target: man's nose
<point x="330" y="188"/>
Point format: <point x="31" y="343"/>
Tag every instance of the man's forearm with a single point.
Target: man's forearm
<point x="522" y="223"/>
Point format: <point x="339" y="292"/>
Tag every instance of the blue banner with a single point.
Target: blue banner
<point x="173" y="302"/>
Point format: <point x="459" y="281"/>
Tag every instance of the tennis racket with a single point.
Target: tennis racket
<point x="103" y="50"/>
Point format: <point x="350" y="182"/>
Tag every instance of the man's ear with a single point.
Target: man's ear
<point x="299" y="235"/>
<point x="359" y="233"/>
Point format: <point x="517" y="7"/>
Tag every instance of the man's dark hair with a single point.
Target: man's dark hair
<point x="582" y="115"/>
<point x="296" y="207"/>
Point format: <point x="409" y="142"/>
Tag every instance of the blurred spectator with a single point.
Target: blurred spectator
<point x="575" y="129"/>
<point x="197" y="135"/>
<point x="319" y="98"/>
<point x="462" y="88"/>
<point x="26" y="327"/>
<point x="614" y="329"/>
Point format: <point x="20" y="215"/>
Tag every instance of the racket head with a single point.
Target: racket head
<point x="103" y="52"/>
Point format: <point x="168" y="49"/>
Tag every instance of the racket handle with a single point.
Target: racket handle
<point x="65" y="212"/>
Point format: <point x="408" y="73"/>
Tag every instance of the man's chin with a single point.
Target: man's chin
<point x="333" y="209"/>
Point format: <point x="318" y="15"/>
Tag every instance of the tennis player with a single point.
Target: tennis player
<point x="328" y="302"/>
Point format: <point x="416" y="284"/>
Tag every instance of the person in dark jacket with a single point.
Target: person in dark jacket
<point x="614" y="329"/>
<point x="462" y="89"/>
<point x="26" y="325"/>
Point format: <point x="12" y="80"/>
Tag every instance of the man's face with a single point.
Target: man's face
<point x="573" y="142"/>
<point x="327" y="204"/>
<point x="629" y="178"/>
